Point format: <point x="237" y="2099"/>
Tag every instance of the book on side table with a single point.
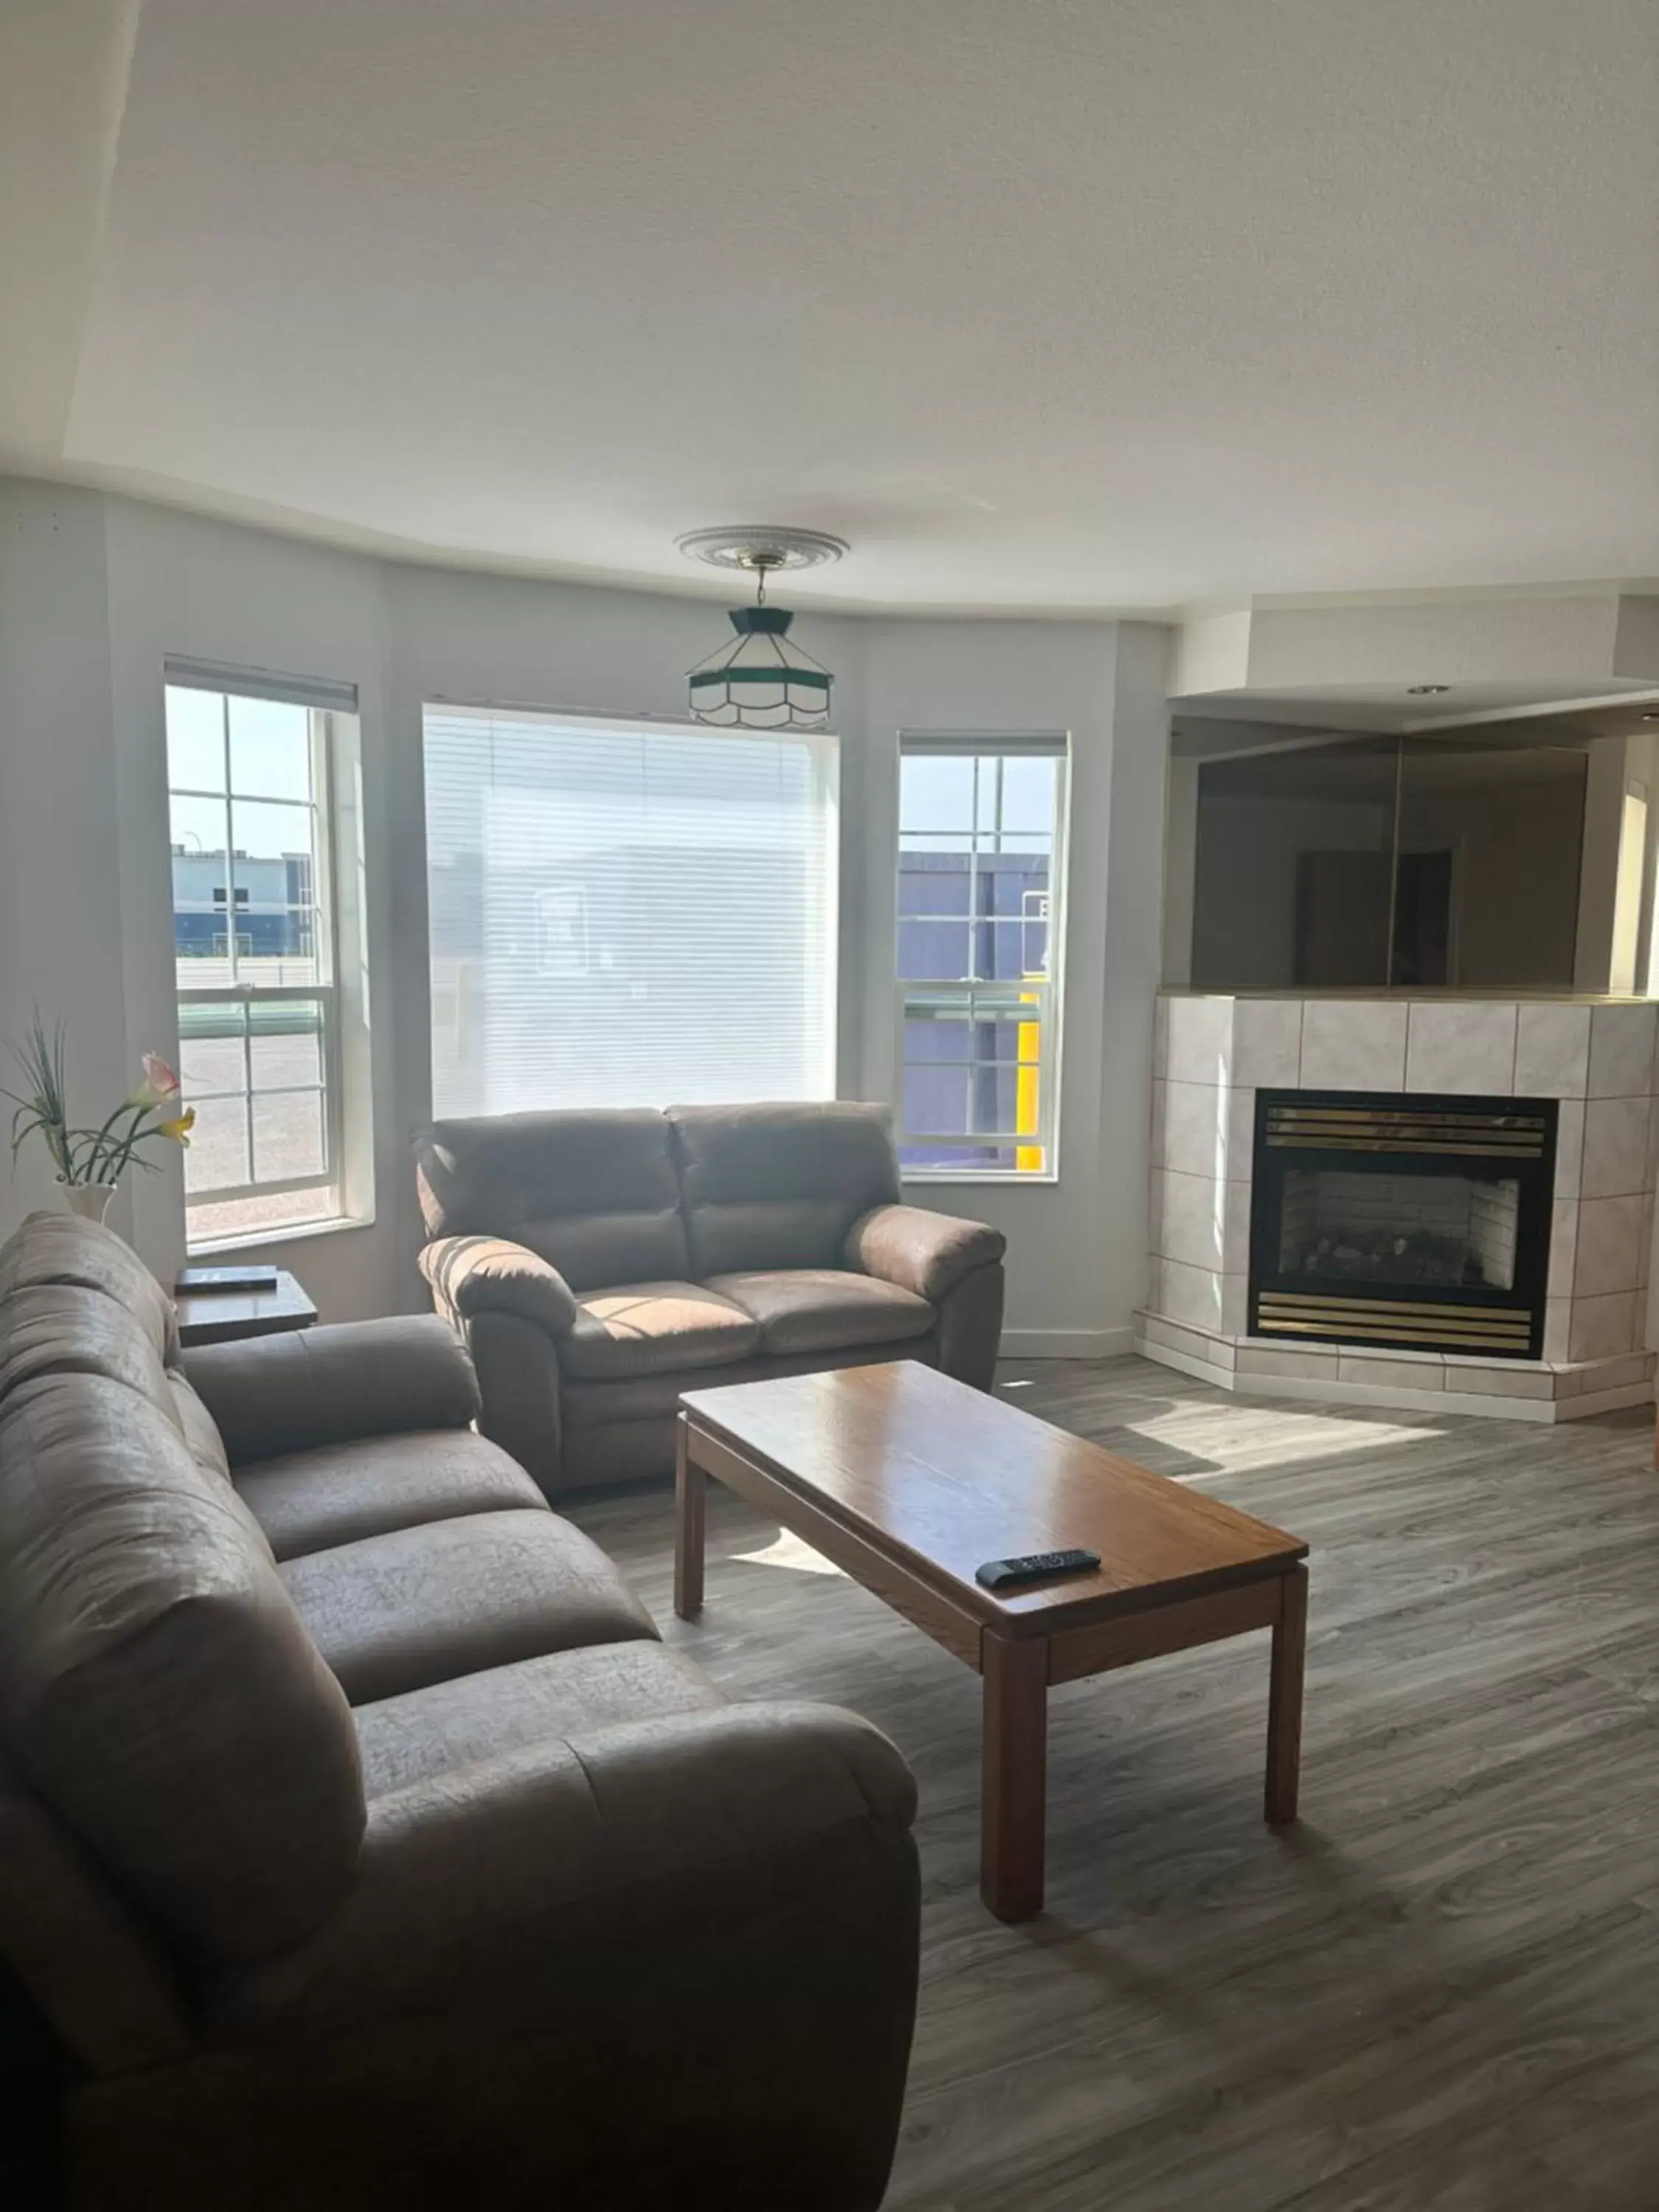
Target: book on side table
<point x="225" y="1279"/>
<point x="220" y="1305"/>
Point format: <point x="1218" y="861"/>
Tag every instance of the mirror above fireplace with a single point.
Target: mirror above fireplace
<point x="1389" y="862"/>
<point x="1516" y="857"/>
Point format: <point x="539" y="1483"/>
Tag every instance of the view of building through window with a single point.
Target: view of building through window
<point x="981" y="826"/>
<point x="257" y="1011"/>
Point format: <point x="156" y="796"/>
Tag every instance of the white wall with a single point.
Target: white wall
<point x="60" y="889"/>
<point x="1076" y="1247"/>
<point x="95" y="592"/>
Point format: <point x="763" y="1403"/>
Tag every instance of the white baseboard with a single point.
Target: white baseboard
<point x="1186" y="1363"/>
<point x="1067" y="1343"/>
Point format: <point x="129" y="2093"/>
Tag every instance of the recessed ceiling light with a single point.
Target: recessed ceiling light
<point x="1652" y="715"/>
<point x="1426" y="690"/>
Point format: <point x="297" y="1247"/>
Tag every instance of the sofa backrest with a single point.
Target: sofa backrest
<point x="594" y="1193"/>
<point x="158" y="1693"/>
<point x="779" y="1186"/>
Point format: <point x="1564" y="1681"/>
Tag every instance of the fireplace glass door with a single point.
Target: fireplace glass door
<point x="1400" y="1219"/>
<point x="1404" y="1229"/>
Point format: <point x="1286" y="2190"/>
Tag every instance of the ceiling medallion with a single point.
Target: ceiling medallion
<point x="762" y="681"/>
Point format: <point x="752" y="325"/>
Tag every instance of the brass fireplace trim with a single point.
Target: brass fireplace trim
<point x="1430" y="1308"/>
<point x="1469" y="1131"/>
<point x="1425" y="1323"/>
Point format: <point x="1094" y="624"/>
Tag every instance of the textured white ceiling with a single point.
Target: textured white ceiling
<point x="1043" y="304"/>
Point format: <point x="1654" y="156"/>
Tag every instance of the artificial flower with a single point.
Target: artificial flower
<point x="159" y="1083"/>
<point x="92" y="1156"/>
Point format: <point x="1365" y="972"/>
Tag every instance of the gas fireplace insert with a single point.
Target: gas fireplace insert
<point x="1403" y="1220"/>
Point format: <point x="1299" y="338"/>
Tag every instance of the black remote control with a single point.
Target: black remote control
<point x="1034" y="1567"/>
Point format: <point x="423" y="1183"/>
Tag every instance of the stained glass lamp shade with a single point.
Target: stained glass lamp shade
<point x="761" y="680"/>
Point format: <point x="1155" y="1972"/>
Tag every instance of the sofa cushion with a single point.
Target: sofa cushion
<point x="198" y="1428"/>
<point x="74" y="1299"/>
<point x="61" y="1249"/>
<point x="779" y="1186"/>
<point x="596" y="1195"/>
<point x="270" y="1396"/>
<point x="600" y="1405"/>
<point x="802" y="1309"/>
<point x="309" y="1501"/>
<point x="156" y="1688"/>
<point x="636" y="1328"/>
<point x="395" y="1613"/>
<point x="426" y="1732"/>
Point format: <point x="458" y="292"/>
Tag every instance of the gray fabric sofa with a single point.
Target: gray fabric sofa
<point x="600" y="1263"/>
<point x="361" y="1845"/>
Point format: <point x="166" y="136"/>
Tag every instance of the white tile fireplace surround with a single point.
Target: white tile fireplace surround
<point x="1597" y="1057"/>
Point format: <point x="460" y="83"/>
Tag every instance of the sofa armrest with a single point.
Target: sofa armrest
<point x="323" y="1386"/>
<point x="926" y="1253"/>
<point x="471" y="1275"/>
<point x="670" y="1962"/>
<point x="473" y="1879"/>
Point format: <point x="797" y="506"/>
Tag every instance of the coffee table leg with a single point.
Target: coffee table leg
<point x="1014" y="1773"/>
<point x="691" y="1487"/>
<point x="1285" y="1700"/>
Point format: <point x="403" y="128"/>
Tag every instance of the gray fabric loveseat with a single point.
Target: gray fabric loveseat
<point x="600" y="1263"/>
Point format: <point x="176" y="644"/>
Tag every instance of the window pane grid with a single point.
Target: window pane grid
<point x="979" y="833"/>
<point x="258" y="1012"/>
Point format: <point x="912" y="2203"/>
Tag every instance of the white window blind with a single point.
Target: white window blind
<point x="627" y="916"/>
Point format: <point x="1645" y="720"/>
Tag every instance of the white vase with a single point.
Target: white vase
<point x="89" y="1200"/>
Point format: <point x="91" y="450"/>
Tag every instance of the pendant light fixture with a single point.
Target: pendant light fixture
<point x="762" y="680"/>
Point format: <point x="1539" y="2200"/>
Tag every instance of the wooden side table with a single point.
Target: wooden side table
<point x="226" y="1316"/>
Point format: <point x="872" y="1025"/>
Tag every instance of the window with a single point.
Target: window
<point x="248" y="776"/>
<point x="981" y="870"/>
<point x="626" y="916"/>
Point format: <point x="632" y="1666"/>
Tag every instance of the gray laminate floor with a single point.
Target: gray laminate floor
<point x="1443" y="1989"/>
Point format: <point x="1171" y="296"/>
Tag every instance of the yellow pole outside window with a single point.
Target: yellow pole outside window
<point x="1028" y="1158"/>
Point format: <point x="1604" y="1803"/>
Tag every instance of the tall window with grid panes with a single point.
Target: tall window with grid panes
<point x="980" y="883"/>
<point x="254" y="947"/>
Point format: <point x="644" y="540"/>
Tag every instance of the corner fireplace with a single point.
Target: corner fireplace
<point x="1402" y="1219"/>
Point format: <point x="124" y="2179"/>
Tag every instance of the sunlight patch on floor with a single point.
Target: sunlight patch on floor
<point x="1285" y="1440"/>
<point x="787" y="1551"/>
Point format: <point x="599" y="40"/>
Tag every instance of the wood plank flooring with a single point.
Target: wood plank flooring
<point x="1438" y="1993"/>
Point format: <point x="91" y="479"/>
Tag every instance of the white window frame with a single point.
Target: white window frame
<point x="1005" y="996"/>
<point x="321" y="704"/>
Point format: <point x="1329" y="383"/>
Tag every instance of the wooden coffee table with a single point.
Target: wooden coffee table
<point x="909" y="1480"/>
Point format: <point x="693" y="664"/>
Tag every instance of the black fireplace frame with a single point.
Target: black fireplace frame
<point x="1386" y="1133"/>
